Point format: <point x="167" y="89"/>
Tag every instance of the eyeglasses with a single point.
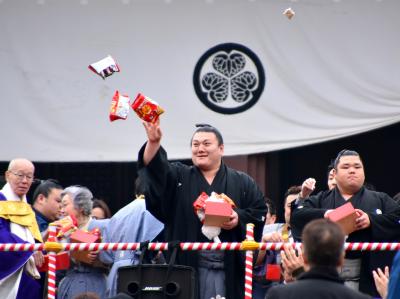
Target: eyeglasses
<point x="21" y="176"/>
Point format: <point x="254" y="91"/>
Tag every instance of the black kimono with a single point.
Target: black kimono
<point x="384" y="215"/>
<point x="171" y="190"/>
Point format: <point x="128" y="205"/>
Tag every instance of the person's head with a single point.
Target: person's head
<point x="77" y="201"/>
<point x="140" y="188"/>
<point x="19" y="176"/>
<point x="349" y="172"/>
<point x="271" y="214"/>
<point x="290" y="196"/>
<point x="207" y="147"/>
<point x="331" y="177"/>
<point x="47" y="199"/>
<point x="100" y="209"/>
<point x="323" y="244"/>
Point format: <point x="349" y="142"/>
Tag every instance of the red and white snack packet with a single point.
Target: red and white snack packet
<point x="65" y="226"/>
<point x="119" y="108"/>
<point x="146" y="108"/>
<point x="105" y="67"/>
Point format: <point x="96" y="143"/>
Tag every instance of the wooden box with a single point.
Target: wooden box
<point x="216" y="213"/>
<point x="345" y="216"/>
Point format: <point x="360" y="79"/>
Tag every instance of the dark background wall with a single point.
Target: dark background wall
<point x="274" y="172"/>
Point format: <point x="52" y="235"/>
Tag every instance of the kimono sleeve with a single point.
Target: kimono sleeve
<point x="303" y="211"/>
<point x="253" y="208"/>
<point x="385" y="224"/>
<point x="11" y="261"/>
<point x="394" y="281"/>
<point x="159" y="180"/>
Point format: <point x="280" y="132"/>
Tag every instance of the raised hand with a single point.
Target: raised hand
<point x="153" y="131"/>
<point x="381" y="281"/>
<point x="154" y="135"/>
<point x="307" y="187"/>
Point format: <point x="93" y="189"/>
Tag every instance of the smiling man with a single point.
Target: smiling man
<point x="378" y="218"/>
<point x="18" y="272"/>
<point x="171" y="189"/>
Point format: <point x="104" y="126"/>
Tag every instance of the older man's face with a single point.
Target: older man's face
<point x="350" y="175"/>
<point x="20" y="177"/>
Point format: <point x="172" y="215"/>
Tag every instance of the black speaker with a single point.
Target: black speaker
<point x="152" y="282"/>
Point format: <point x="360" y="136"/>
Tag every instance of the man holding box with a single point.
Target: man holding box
<point x="376" y="220"/>
<point x="172" y="188"/>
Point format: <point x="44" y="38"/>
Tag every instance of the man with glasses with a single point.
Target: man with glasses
<point x="377" y="220"/>
<point x="18" y="271"/>
<point x="173" y="187"/>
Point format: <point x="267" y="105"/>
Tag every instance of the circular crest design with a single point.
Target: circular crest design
<point x="229" y="78"/>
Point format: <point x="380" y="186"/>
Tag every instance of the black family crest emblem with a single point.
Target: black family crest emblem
<point x="229" y="78"/>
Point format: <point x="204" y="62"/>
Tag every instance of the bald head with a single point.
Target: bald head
<point x="20" y="175"/>
<point x="20" y="162"/>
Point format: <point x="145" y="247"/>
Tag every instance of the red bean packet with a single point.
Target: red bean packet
<point x="119" y="108"/>
<point x="146" y="108"/>
<point x="105" y="67"/>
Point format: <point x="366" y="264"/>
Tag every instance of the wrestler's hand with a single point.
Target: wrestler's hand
<point x="307" y="187"/>
<point x="362" y="220"/>
<point x="381" y="281"/>
<point x="153" y="131"/>
<point x="38" y="257"/>
<point x="233" y="221"/>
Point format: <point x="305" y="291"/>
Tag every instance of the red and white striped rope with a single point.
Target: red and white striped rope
<point x="210" y="246"/>
<point x="365" y="246"/>
<point x="51" y="272"/>
<point x="248" y="276"/>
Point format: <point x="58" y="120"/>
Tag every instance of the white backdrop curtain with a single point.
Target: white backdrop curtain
<point x="331" y="71"/>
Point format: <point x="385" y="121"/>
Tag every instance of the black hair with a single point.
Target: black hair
<point x="209" y="129"/>
<point x="271" y="206"/>
<point x="45" y="188"/>
<point x="99" y="203"/>
<point x="323" y="243"/>
<point x="140" y="187"/>
<point x="292" y="190"/>
<point x="343" y="153"/>
<point x="330" y="167"/>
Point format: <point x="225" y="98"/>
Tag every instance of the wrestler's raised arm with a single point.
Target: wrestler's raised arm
<point x="154" y="135"/>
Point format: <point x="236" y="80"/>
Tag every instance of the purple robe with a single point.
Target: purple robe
<point x="12" y="261"/>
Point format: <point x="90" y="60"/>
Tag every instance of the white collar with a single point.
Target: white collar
<point x="10" y="194"/>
